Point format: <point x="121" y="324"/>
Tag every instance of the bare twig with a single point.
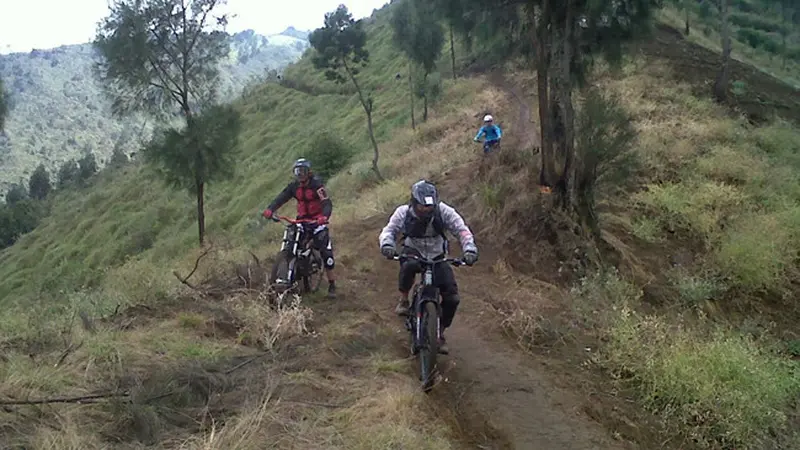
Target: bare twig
<point x="304" y="402"/>
<point x="185" y="280"/>
<point x="246" y="362"/>
<point x="71" y="348"/>
<point x="87" y="322"/>
<point x="258" y="262"/>
<point x="81" y="399"/>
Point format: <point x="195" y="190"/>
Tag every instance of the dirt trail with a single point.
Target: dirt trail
<point x="501" y="397"/>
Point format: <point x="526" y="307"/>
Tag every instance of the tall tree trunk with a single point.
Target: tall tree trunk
<point x="367" y="105"/>
<point x="785" y="50"/>
<point x="452" y="52"/>
<point x="547" y="173"/>
<point x="375" y="154"/>
<point x="571" y="192"/>
<point x="786" y="12"/>
<point x="425" y="97"/>
<point x="411" y="93"/>
<point x="686" y="8"/>
<point x="721" y="84"/>
<point x="201" y="215"/>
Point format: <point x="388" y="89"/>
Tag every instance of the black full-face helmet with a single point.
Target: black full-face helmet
<point x="301" y="169"/>
<point x="424" y="198"/>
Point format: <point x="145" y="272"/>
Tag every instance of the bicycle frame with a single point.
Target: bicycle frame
<point x="295" y="235"/>
<point x="424" y="293"/>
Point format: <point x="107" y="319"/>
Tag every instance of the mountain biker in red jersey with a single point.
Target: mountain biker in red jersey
<point x="423" y="222"/>
<point x="312" y="203"/>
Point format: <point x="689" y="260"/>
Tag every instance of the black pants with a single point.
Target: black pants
<point x="443" y="278"/>
<point x="322" y="242"/>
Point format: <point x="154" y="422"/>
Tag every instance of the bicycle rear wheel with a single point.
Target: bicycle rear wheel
<point x="429" y="347"/>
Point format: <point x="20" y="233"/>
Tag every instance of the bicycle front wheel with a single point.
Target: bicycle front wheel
<point x="279" y="277"/>
<point x="314" y="271"/>
<point x="429" y="347"/>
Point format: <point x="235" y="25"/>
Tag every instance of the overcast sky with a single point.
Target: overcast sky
<point x="28" y="24"/>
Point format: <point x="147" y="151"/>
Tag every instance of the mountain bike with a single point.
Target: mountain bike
<point x="423" y="320"/>
<point x="490" y="147"/>
<point x="297" y="260"/>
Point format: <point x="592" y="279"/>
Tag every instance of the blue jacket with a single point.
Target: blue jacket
<point x="492" y="133"/>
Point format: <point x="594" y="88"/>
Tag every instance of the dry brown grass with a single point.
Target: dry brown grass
<point x="365" y="400"/>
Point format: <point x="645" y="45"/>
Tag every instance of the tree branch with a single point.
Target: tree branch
<point x="200" y="28"/>
<point x="185" y="280"/>
<point x="80" y="399"/>
<point x="161" y="73"/>
<point x="160" y="69"/>
<point x="355" y="83"/>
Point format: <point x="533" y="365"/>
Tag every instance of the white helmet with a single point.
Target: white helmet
<point x="488" y="118"/>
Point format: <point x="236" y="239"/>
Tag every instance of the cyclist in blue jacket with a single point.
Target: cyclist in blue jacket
<point x="492" y="132"/>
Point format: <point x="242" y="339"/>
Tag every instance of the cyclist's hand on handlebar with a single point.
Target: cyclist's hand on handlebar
<point x="388" y="251"/>
<point x="470" y="258"/>
<point x="267" y="214"/>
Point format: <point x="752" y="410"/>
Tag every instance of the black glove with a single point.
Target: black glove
<point x="388" y="251"/>
<point x="470" y="257"/>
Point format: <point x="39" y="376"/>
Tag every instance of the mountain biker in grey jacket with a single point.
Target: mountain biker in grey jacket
<point x="423" y="222"/>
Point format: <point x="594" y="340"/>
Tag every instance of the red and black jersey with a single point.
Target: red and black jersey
<point x="312" y="199"/>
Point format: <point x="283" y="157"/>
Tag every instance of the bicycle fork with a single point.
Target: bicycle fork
<point x="293" y="261"/>
<point x="414" y="321"/>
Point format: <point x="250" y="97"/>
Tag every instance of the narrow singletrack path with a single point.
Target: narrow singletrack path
<point x="502" y="398"/>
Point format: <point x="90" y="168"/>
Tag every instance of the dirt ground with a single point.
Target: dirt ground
<point x="764" y="96"/>
<point x="493" y="394"/>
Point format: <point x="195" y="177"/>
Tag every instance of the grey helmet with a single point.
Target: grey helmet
<point x="425" y="194"/>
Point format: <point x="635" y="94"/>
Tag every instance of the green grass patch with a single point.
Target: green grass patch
<point x="719" y="387"/>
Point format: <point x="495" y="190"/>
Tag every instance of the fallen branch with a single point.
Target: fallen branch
<point x="81" y="399"/>
<point x="185" y="280"/>
<point x="246" y="362"/>
<point x="66" y="353"/>
<point x="258" y="262"/>
<point x="304" y="402"/>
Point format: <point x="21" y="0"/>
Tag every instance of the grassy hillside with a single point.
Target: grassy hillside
<point x="689" y="343"/>
<point x="165" y="226"/>
<point x="762" y="33"/>
<point x="58" y="111"/>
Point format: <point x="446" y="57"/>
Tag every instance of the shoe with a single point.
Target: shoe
<point x="402" y="306"/>
<point x="443" y="348"/>
<point x="331" y="291"/>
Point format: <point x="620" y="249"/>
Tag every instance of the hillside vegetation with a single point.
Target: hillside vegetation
<point x="765" y="32"/>
<point x="59" y="112"/>
<point x="674" y="328"/>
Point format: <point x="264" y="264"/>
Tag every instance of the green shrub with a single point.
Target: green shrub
<point x="756" y="252"/>
<point x="698" y="207"/>
<point x="756" y="22"/>
<point x="758" y="39"/>
<point x="328" y="154"/>
<point x="725" y="388"/>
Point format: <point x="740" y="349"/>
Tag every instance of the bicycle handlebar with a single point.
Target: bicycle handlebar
<point x="454" y="261"/>
<point x="290" y="220"/>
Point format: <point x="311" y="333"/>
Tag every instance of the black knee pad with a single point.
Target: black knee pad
<point x="327" y="259"/>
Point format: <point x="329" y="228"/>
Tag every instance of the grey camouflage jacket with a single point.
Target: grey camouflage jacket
<point x="432" y="244"/>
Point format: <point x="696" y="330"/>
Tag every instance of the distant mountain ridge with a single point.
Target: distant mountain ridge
<point x="58" y="111"/>
<point x="295" y="33"/>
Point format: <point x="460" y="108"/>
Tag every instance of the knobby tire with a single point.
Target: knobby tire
<point x="430" y="346"/>
<point x="280" y="269"/>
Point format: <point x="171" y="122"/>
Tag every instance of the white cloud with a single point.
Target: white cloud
<point x="28" y="24"/>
